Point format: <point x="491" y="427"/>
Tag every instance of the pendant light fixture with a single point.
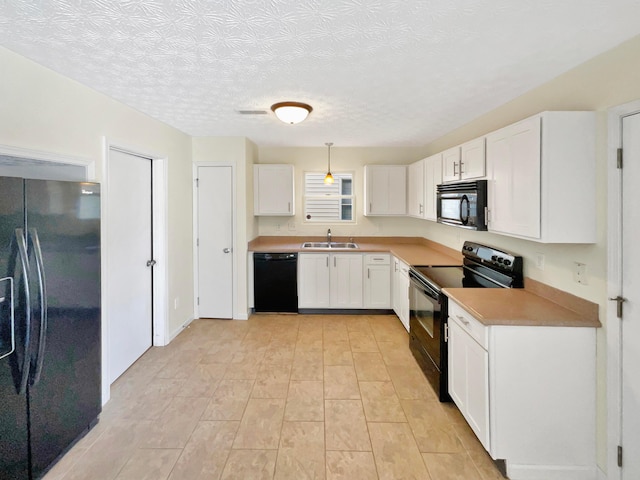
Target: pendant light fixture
<point x="291" y="112"/>
<point x="328" y="178"/>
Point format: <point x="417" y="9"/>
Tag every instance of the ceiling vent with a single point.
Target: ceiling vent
<point x="252" y="112"/>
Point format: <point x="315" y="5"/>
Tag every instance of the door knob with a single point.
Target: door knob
<point x="226" y="250"/>
<point x="151" y="263"/>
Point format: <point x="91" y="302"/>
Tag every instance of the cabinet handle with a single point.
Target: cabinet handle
<point x="454" y="169"/>
<point x="334" y="262"/>
<point x="461" y="164"/>
<point x="421" y="209"/>
<point x="289" y="207"/>
<point x="462" y="319"/>
<point x="370" y="207"/>
<point x="395" y="266"/>
<point x="487" y="213"/>
<point x="368" y="273"/>
<point x="327" y="262"/>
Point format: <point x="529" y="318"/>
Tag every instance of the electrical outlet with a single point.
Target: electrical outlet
<point x="580" y="273"/>
<point x="540" y="261"/>
<point x="292" y="226"/>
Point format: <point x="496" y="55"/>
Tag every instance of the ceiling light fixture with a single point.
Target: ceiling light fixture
<point x="291" y="112"/>
<point x="328" y="178"/>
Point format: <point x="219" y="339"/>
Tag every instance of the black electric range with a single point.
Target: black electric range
<point x="482" y="267"/>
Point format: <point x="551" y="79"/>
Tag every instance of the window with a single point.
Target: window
<point x="328" y="202"/>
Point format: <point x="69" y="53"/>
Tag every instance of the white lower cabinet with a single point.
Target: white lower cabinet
<point x="377" y="281"/>
<point x="330" y="280"/>
<point x="401" y="291"/>
<point x="528" y="393"/>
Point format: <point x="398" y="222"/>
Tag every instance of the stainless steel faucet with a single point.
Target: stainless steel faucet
<point x="328" y="235"/>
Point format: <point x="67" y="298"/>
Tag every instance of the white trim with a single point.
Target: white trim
<point x="179" y="330"/>
<point x="614" y="283"/>
<point x="552" y="472"/>
<point x="89" y="165"/>
<point x="234" y="268"/>
<point x="160" y="242"/>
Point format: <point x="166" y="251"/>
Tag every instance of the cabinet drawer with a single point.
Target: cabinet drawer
<point x="477" y="331"/>
<point x="379" y="259"/>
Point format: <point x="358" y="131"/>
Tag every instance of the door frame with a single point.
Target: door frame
<point x="88" y="164"/>
<point x="160" y="241"/>
<point x="614" y="283"/>
<point x="234" y="251"/>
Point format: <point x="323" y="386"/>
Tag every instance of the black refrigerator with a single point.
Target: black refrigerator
<point x="50" y="353"/>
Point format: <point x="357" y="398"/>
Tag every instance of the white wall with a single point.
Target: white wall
<point x="42" y="110"/>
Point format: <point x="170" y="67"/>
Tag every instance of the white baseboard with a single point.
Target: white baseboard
<point x="552" y="472"/>
<point x="178" y="330"/>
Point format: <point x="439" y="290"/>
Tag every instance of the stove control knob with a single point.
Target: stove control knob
<point x="500" y="259"/>
<point x="494" y="258"/>
<point x="507" y="262"/>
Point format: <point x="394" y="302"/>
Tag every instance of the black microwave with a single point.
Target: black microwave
<point x="463" y="204"/>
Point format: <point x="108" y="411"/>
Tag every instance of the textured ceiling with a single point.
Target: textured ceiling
<point x="377" y="72"/>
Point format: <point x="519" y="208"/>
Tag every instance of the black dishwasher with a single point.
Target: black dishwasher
<point x="275" y="282"/>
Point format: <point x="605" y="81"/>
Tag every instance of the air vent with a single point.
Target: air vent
<point x="252" y="112"/>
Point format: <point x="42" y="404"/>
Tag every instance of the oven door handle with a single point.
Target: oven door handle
<point x="426" y="289"/>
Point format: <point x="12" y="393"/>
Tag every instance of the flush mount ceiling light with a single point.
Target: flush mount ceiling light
<point x="328" y="178"/>
<point x="291" y="112"/>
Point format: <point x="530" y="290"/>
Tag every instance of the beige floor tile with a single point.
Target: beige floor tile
<point x="177" y="423"/>
<point x="152" y="402"/>
<point x="345" y="426"/>
<point x="261" y="424"/>
<point x="362" y="342"/>
<point x="410" y="382"/>
<point x="337" y="353"/>
<point x="106" y="457"/>
<point x="468" y="438"/>
<point x="340" y="382"/>
<point x="279" y="355"/>
<point x="65" y="464"/>
<point x="203" y="381"/>
<point x="381" y="404"/>
<point x="450" y="466"/>
<point x="305" y="401"/>
<point x="335" y="330"/>
<point x="149" y="464"/>
<point x="395" y="452"/>
<point x="250" y="464"/>
<point x="272" y="381"/>
<point x="242" y="370"/>
<point x="221" y="353"/>
<point x="309" y="340"/>
<point x="229" y="400"/>
<point x="432" y="429"/>
<point x="370" y="367"/>
<point x="307" y="365"/>
<point x="485" y="465"/>
<point x="351" y="466"/>
<point x="205" y="455"/>
<point x="301" y="455"/>
<point x="359" y="323"/>
<point x="396" y="355"/>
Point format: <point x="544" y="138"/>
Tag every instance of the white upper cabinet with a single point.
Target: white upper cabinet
<point x="273" y="190"/>
<point x="451" y="165"/>
<point x="432" y="178"/>
<point x="385" y="191"/>
<point x="541" y="178"/>
<point x="464" y="162"/>
<point x="415" y="189"/>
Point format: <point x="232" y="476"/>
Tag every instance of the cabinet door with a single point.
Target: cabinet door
<point x="346" y="280"/>
<point x="273" y="190"/>
<point x="513" y="158"/>
<point x="395" y="286"/>
<point x="469" y="380"/>
<point x="451" y="165"/>
<point x="377" y="286"/>
<point x="415" y="190"/>
<point x="313" y="280"/>
<point x="433" y="177"/>
<point x="386" y="190"/>
<point x="472" y="159"/>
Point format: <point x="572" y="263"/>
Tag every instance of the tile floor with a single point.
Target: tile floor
<point x="279" y="397"/>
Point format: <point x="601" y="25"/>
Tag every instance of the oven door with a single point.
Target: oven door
<point x="426" y="326"/>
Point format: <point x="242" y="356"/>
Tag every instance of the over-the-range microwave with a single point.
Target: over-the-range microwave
<point x="462" y="204"/>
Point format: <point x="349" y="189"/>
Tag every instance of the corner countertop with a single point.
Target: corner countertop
<point x="535" y="305"/>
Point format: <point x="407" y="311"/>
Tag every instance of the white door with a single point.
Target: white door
<point x="631" y="291"/>
<point x="129" y="279"/>
<point x="215" y="242"/>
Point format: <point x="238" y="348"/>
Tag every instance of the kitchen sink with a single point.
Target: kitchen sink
<point x="329" y="245"/>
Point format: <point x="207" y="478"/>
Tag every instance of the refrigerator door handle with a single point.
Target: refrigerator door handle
<point x="23" y="370"/>
<point x="9" y="294"/>
<point x="34" y="241"/>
